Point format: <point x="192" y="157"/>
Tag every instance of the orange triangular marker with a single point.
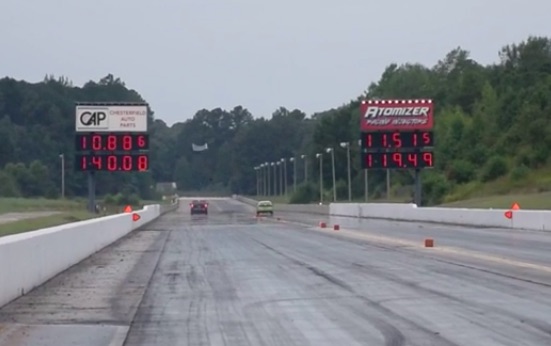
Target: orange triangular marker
<point x="135" y="217"/>
<point x="515" y="206"/>
<point x="128" y="209"/>
<point x="509" y="214"/>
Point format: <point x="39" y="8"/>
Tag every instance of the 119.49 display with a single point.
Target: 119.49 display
<point x="390" y="160"/>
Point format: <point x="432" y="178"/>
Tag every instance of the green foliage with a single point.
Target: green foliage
<point x="305" y="193"/>
<point x="435" y="188"/>
<point x="487" y="117"/>
<point x="462" y="171"/>
<point x="121" y="199"/>
<point x="494" y="168"/>
<point x="520" y="172"/>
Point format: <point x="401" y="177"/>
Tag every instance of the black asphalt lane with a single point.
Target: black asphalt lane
<point x="230" y="278"/>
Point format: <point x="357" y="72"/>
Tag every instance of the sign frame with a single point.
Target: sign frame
<point x="111" y="117"/>
<point x="396" y="114"/>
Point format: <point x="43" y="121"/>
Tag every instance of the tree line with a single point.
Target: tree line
<point x="491" y="122"/>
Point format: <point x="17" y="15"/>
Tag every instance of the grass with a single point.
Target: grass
<point x="8" y="205"/>
<point x="44" y="222"/>
<point x="526" y="201"/>
<point x="274" y="199"/>
<point x="69" y="211"/>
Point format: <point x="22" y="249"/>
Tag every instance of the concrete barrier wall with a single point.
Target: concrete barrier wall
<point x="29" y="259"/>
<point x="167" y="208"/>
<point x="289" y="208"/>
<point x="522" y="219"/>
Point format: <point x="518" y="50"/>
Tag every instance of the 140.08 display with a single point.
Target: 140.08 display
<point x="132" y="162"/>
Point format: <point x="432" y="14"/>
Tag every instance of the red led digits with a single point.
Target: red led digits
<point x="142" y="144"/>
<point x="127" y="163"/>
<point x="397" y="159"/>
<point x="426" y="138"/>
<point x="112" y="163"/>
<point x="396" y="140"/>
<point x="97" y="162"/>
<point x="111" y="143"/>
<point x="427" y="158"/>
<point x="412" y="159"/>
<point x="384" y="140"/>
<point x="83" y="143"/>
<point x="96" y="142"/>
<point x="143" y="163"/>
<point x="127" y="143"/>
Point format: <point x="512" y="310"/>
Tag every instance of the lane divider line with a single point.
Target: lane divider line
<point x="365" y="235"/>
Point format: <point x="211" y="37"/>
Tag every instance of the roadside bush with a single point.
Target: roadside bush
<point x="121" y="199"/>
<point x="519" y="173"/>
<point x="494" y="168"/>
<point x="435" y="187"/>
<point x="462" y="171"/>
<point x="305" y="193"/>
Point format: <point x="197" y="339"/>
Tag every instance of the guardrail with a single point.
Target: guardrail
<point x="29" y="259"/>
<point x="539" y="220"/>
<point x="289" y="208"/>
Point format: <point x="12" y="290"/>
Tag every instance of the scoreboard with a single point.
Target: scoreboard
<point x="111" y="138"/>
<point x="397" y="134"/>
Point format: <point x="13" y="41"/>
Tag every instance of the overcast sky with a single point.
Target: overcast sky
<point x="184" y="55"/>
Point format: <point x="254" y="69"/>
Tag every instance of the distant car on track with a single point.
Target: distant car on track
<point x="264" y="207"/>
<point x="199" y="207"/>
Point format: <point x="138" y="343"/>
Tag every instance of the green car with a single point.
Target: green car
<point x="264" y="207"/>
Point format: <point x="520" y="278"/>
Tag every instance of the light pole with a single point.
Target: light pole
<point x="347" y="146"/>
<point x="294" y="161"/>
<point x="304" y="157"/>
<point x="280" y="177"/>
<point x="320" y="156"/>
<point x="268" y="186"/>
<point x="330" y="150"/>
<point x="275" y="178"/>
<point x="257" y="181"/>
<point x="366" y="175"/>
<point x="62" y="157"/>
<point x="285" y="175"/>
<point x="263" y="175"/>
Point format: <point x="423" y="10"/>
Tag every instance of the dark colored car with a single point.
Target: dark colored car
<point x="199" y="207"/>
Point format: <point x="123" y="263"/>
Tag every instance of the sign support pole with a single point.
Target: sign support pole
<point x="418" y="188"/>
<point x="92" y="192"/>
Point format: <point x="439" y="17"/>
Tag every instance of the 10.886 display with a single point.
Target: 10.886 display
<point x="112" y="162"/>
<point x="111" y="142"/>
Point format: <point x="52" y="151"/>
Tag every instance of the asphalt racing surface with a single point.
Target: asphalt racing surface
<point x="232" y="279"/>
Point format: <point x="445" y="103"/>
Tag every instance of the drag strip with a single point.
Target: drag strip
<point x="229" y="278"/>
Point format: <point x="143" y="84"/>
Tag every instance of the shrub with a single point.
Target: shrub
<point x="494" y="168"/>
<point x="462" y="171"/>
<point x="305" y="193"/>
<point x="519" y="173"/>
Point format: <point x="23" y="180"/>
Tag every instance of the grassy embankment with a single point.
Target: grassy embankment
<point x="63" y="211"/>
<point x="531" y="192"/>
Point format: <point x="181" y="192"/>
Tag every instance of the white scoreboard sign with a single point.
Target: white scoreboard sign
<point x="111" y="119"/>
